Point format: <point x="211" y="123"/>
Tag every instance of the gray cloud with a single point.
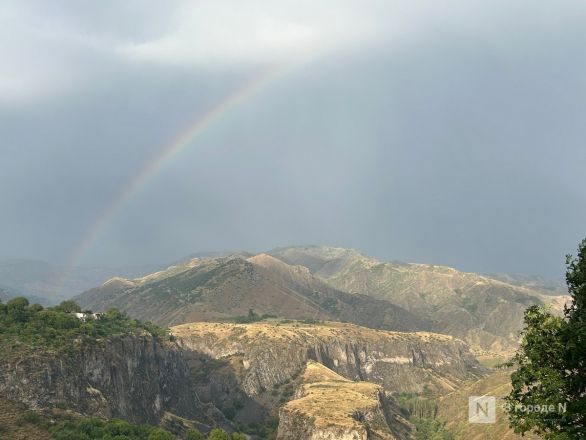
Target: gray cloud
<point x="450" y="133"/>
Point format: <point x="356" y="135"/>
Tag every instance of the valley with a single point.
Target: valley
<point x="296" y="343"/>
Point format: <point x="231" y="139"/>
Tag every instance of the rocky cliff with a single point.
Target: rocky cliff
<point x="327" y="406"/>
<point x="134" y="377"/>
<point x="265" y="355"/>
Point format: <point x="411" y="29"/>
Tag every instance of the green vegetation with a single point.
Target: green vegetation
<point x="417" y="406"/>
<point x="266" y="430"/>
<point x="421" y="410"/>
<point x="24" y="325"/>
<point x="98" y="429"/>
<point x="194" y="434"/>
<point x="90" y="428"/>
<point x="287" y="393"/>
<point x="66" y="427"/>
<point x="29" y="417"/>
<point x="549" y="385"/>
<point x="430" y="429"/>
<point x="219" y="434"/>
<point x="252" y="317"/>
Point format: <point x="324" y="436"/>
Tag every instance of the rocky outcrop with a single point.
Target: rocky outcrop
<point x="134" y="377"/>
<point x="328" y="406"/>
<point x="265" y="355"/>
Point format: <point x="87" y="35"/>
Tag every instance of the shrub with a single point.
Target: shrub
<point x="160" y="434"/>
<point x="194" y="434"/>
<point x="91" y="428"/>
<point x="29" y="417"/>
<point x="218" y="434"/>
<point x="56" y="328"/>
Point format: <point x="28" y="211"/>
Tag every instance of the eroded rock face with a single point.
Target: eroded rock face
<point x="134" y="377"/>
<point x="270" y="354"/>
<point x="330" y="407"/>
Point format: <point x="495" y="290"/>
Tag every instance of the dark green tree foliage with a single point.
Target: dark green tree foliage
<point x="418" y="407"/>
<point x="194" y="434"/>
<point x="430" y="429"/>
<point x="218" y="434"/>
<point x="574" y="338"/>
<point x="16" y="310"/>
<point x="98" y="429"/>
<point x="160" y="434"/>
<point x="68" y="306"/>
<point x="252" y="317"/>
<point x="549" y="385"/>
<point x="30" y="326"/>
<point x="92" y="428"/>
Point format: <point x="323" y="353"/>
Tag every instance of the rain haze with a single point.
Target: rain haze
<point x="441" y="132"/>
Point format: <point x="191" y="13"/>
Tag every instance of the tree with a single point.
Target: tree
<point x="113" y="314"/>
<point x="549" y="385"/>
<point x="194" y="434"/>
<point x="68" y="306"/>
<point x="16" y="310"/>
<point x="237" y="436"/>
<point x="35" y="308"/>
<point x="160" y="434"/>
<point x="574" y="338"/>
<point x="218" y="434"/>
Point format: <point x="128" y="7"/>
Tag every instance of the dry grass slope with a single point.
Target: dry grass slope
<point x="329" y="399"/>
<point x="335" y="407"/>
<point x="220" y="288"/>
<point x="485" y="312"/>
<point x="272" y="352"/>
<point x="453" y="409"/>
<point x="12" y="429"/>
<point x="285" y="332"/>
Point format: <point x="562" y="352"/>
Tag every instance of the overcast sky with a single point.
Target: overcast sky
<point x="449" y="132"/>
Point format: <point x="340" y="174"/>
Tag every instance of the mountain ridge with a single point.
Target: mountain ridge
<point x="332" y="283"/>
<point x="222" y="288"/>
<point x="485" y="312"/>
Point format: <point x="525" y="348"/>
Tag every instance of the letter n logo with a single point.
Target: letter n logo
<point x="482" y="409"/>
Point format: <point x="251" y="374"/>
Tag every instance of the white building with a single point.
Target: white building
<point x="85" y="316"/>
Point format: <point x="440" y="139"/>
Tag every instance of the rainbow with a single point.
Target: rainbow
<point x="165" y="155"/>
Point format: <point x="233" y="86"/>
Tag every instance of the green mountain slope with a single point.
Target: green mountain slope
<point x="485" y="312"/>
<point x="217" y="288"/>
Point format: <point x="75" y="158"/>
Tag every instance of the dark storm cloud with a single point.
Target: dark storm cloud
<point x="450" y="135"/>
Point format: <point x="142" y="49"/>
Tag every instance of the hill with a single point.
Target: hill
<point x="51" y="283"/>
<point x="327" y="405"/>
<point x="453" y="410"/>
<point x="545" y="285"/>
<point x="107" y="366"/>
<point x="220" y="288"/>
<point x="266" y="354"/>
<point x="13" y="424"/>
<point x="485" y="312"/>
